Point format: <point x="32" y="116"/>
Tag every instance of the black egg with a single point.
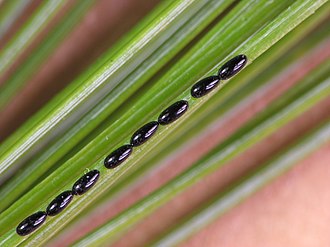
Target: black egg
<point x="173" y="112"/>
<point x="232" y="67"/>
<point x="31" y="223"/>
<point x="84" y="183"/>
<point x="204" y="86"/>
<point x="118" y="156"/>
<point x="144" y="133"/>
<point x="59" y="203"/>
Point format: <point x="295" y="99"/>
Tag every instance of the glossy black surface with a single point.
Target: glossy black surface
<point x="118" y="156"/>
<point x="173" y="112"/>
<point x="31" y="223"/>
<point x="59" y="203"/>
<point x="232" y="67"/>
<point x="144" y="133"/>
<point x="204" y="86"/>
<point x="84" y="183"/>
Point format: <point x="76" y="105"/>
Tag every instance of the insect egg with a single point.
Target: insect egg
<point x="31" y="223"/>
<point x="59" y="203"/>
<point x="173" y="112"/>
<point x="118" y="156"/>
<point x="232" y="67"/>
<point x="204" y="86"/>
<point x="84" y="183"/>
<point x="144" y="133"/>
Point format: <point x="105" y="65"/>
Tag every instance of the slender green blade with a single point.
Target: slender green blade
<point x="9" y="12"/>
<point x="55" y="151"/>
<point x="28" y="68"/>
<point x="282" y="111"/>
<point x="66" y="175"/>
<point x="30" y="30"/>
<point x="92" y="87"/>
<point x="214" y="110"/>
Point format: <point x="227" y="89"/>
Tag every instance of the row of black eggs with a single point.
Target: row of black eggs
<point x="114" y="159"/>
<point x="81" y="186"/>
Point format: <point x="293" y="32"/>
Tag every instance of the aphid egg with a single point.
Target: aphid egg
<point x="84" y="183"/>
<point x="118" y="156"/>
<point x="59" y="203"/>
<point x="204" y="86"/>
<point x="31" y="223"/>
<point x="173" y="112"/>
<point x="144" y="133"/>
<point x="232" y="67"/>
